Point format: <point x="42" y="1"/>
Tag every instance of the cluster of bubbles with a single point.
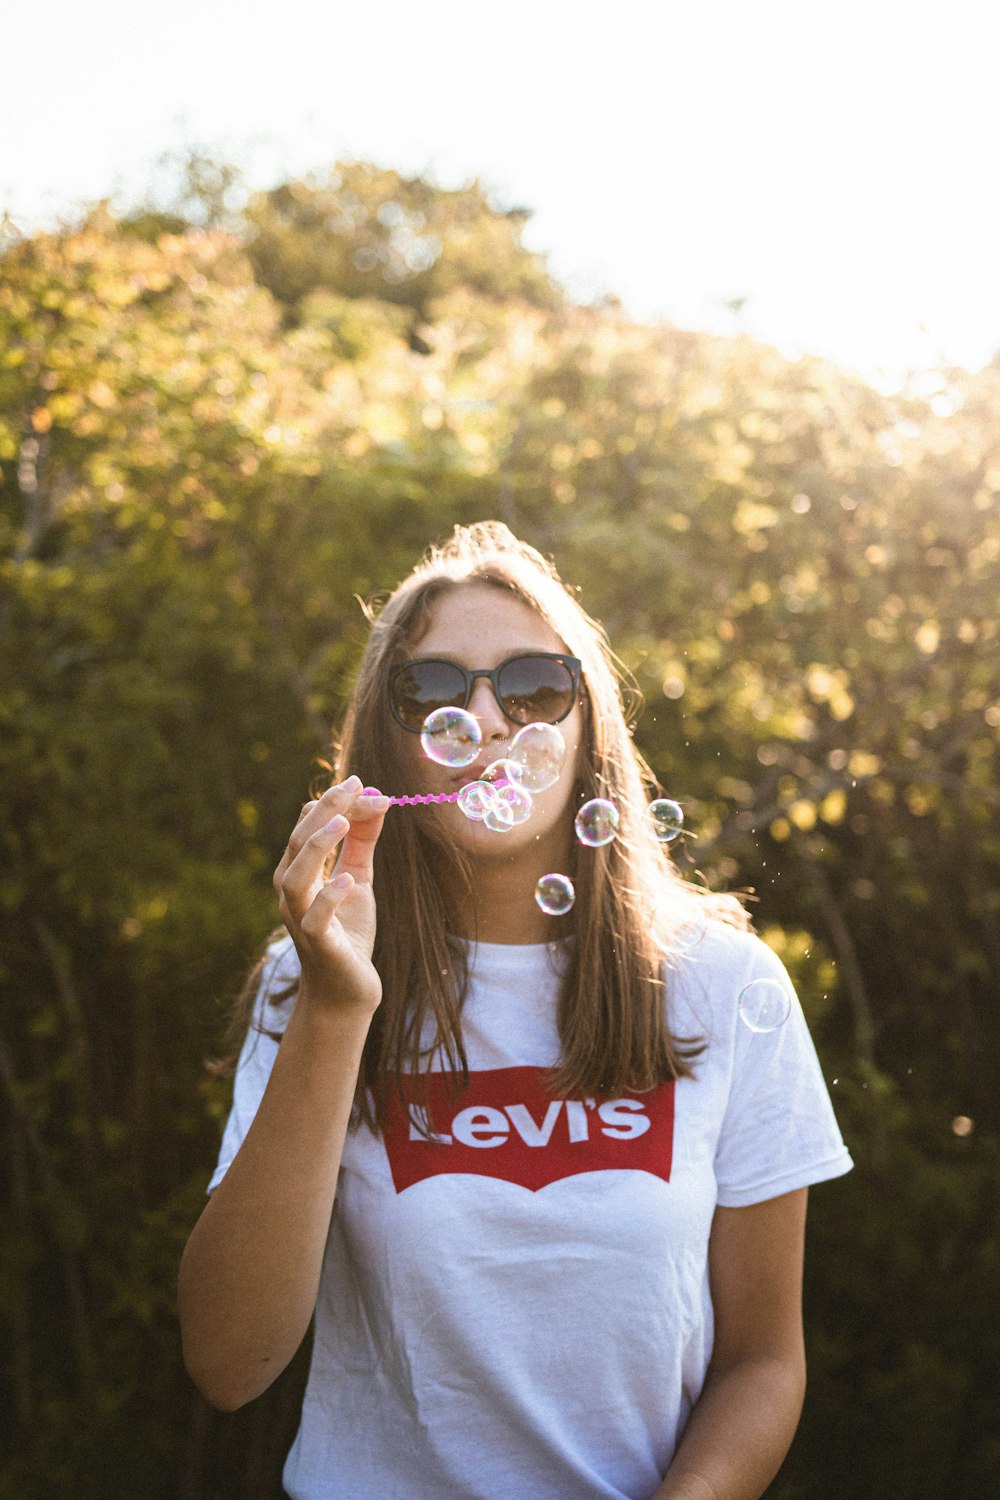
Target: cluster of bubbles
<point x="494" y="800"/>
<point x="501" y="797"/>
<point x="452" y="737"/>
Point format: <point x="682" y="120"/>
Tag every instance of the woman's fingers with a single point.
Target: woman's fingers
<point x="303" y="875"/>
<point x="357" y="852"/>
<point x="325" y="906"/>
<point x="336" y="799"/>
<point x="313" y="816"/>
<point x="341" y="814"/>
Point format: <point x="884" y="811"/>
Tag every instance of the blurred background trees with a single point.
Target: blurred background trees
<point x="223" y="420"/>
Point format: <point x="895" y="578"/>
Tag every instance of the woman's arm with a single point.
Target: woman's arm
<point x="250" y="1271"/>
<point x="744" y="1421"/>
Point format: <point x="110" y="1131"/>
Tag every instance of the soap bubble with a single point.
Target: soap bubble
<point x="498" y="816"/>
<point x="535" y="757"/>
<point x="496" y="772"/>
<point x="474" y="799"/>
<point x="596" y="823"/>
<point x="516" y="798"/>
<point x="764" y="1005"/>
<point x="451" y="737"/>
<point x="668" y="819"/>
<point x="683" y="939"/>
<point x="555" y="895"/>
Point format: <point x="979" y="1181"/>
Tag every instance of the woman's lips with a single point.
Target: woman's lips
<point x="467" y="774"/>
<point x="474" y="772"/>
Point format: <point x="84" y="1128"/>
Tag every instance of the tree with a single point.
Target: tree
<point x="216" y="428"/>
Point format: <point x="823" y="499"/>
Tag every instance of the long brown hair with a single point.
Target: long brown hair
<point x="631" y="902"/>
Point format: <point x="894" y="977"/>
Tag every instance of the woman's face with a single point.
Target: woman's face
<point x="478" y="625"/>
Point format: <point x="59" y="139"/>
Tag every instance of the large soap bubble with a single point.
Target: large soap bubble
<point x="764" y="1005"/>
<point x="597" y="822"/>
<point x="668" y="819"/>
<point x="535" y="757"/>
<point x="555" y="895"/>
<point x="451" y="737"/>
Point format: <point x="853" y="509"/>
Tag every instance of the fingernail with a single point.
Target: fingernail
<point x="336" y="824"/>
<point x="352" y="784"/>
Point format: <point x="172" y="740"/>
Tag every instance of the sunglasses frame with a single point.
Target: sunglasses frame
<point x="572" y="664"/>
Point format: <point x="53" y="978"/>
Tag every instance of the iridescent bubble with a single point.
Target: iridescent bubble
<point x="684" y="937"/>
<point x="668" y="819"/>
<point x="555" y="895"/>
<point x="535" y="756"/>
<point x="497" y="771"/>
<point x="451" y="737"/>
<point x="498" y="816"/>
<point x="764" y="1005"/>
<point x="516" y="798"/>
<point x="689" y="936"/>
<point x="474" y="799"/>
<point x="597" y="822"/>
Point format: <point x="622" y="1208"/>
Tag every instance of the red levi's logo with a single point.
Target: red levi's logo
<point x="507" y="1125"/>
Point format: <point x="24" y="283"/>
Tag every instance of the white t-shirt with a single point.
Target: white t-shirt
<point x="519" y="1309"/>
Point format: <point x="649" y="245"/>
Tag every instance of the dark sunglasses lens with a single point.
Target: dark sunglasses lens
<point x="534" y="690"/>
<point x="424" y="686"/>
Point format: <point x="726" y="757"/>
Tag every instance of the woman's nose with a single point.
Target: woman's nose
<point x="484" y="707"/>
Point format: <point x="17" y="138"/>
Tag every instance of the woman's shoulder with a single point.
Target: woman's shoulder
<point x="713" y="961"/>
<point x="735" y="948"/>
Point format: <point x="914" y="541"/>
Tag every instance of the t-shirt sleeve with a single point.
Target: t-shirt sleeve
<point x="258" y="1051"/>
<point x="779" y="1131"/>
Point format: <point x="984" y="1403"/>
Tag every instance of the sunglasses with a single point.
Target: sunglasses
<point x="538" y="688"/>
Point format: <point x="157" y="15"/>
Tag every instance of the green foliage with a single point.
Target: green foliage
<point x="371" y="233"/>
<point x="219" y="426"/>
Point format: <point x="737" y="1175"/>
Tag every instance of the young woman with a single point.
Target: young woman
<point x="541" y="1187"/>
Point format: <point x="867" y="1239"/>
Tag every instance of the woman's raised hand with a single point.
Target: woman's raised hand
<point x="332" y="922"/>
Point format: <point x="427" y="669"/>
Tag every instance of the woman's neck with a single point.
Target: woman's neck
<point x="499" y="906"/>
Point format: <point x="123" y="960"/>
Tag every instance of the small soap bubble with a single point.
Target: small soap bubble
<point x="555" y="895"/>
<point x="516" y="798"/>
<point x="668" y="819"/>
<point x="474" y="798"/>
<point x="498" y="816"/>
<point x="764" y="1005"/>
<point x="451" y="737"/>
<point x="535" y="757"/>
<point x="597" y="822"/>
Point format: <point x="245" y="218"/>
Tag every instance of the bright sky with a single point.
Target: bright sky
<point x="836" y="165"/>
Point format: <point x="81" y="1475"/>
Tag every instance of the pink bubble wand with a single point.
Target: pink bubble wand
<point x="413" y="801"/>
<point x="373" y="791"/>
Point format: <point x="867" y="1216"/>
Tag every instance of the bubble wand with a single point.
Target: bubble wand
<point x="372" y="791"/>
